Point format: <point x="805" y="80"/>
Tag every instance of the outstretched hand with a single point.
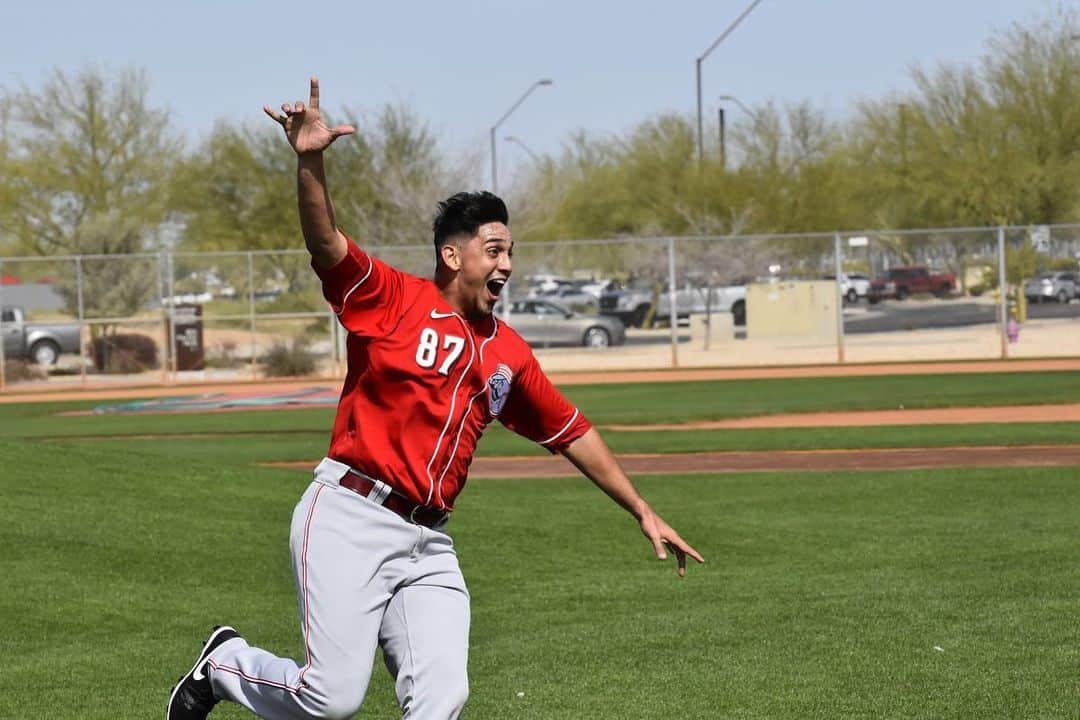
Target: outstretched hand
<point x="303" y="125"/>
<point x="665" y="539"/>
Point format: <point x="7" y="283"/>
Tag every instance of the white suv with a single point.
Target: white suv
<point x="853" y="286"/>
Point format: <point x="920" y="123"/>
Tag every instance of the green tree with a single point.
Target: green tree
<point x="239" y="191"/>
<point x="87" y="162"/>
<point x="8" y="243"/>
<point x="1033" y="76"/>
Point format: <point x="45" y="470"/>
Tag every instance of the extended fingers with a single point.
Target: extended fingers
<point x="680" y="558"/>
<point x="682" y="546"/>
<point x="313" y="96"/>
<point x="274" y="114"/>
<point x="658" y="547"/>
<point x="679" y="547"/>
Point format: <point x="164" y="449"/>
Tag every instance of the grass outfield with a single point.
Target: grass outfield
<point x="311" y="445"/>
<point x="628" y="404"/>
<point x="825" y="593"/>
<point x="824" y="596"/>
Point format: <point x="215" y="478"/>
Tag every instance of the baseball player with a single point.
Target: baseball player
<point x="429" y="367"/>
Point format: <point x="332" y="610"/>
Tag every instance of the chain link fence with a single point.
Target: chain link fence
<point x="868" y="296"/>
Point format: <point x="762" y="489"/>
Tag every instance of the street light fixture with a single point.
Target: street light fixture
<point x="697" y="68"/>
<point x="494" y="164"/>
<point x="517" y="141"/>
<point x="742" y="106"/>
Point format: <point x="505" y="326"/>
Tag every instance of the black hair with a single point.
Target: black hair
<point x="464" y="213"/>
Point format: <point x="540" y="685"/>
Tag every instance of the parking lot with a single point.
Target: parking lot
<point x="930" y="314"/>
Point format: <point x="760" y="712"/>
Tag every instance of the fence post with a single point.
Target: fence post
<point x="82" y="316"/>
<point x="251" y="309"/>
<point x="3" y="367"/>
<point x="837" y="253"/>
<point x="171" y="289"/>
<point x="672" y="310"/>
<point x="163" y="299"/>
<point x="1003" y="292"/>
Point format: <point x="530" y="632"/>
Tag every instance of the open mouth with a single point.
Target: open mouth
<point x="495" y="286"/>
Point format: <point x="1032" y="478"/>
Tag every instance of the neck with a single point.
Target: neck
<point x="446" y="282"/>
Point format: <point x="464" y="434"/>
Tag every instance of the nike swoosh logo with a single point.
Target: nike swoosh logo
<point x="197" y="674"/>
<point x="436" y="315"/>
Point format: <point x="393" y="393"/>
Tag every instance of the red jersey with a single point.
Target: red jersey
<point x="423" y="382"/>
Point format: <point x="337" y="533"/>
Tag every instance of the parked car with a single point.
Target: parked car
<point x="852" y="286"/>
<point x="902" y="282"/>
<point x="572" y="297"/>
<point x="542" y="323"/>
<point x="1059" y="286"/>
<point x="631" y="305"/>
<point x="545" y="283"/>
<point x="39" y="342"/>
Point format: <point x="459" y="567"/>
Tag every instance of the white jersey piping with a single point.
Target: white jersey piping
<point x="566" y="427"/>
<point x="465" y="416"/>
<point x="489" y="338"/>
<point x="450" y="415"/>
<point x="457" y="441"/>
<point x="371" y="265"/>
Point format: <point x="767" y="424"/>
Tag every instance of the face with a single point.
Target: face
<point x="483" y="267"/>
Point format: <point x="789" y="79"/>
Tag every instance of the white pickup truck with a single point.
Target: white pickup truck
<point x="853" y="286"/>
<point x="40" y="342"/>
<point x="632" y="304"/>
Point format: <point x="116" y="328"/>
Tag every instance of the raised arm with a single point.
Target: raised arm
<point x="591" y="455"/>
<point x="309" y="137"/>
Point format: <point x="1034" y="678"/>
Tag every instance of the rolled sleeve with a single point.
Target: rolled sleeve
<point x="536" y="410"/>
<point x="365" y="293"/>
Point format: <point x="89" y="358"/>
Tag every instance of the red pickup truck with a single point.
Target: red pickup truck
<point x="904" y="281"/>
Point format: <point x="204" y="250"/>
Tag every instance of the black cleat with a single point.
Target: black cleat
<point x="192" y="698"/>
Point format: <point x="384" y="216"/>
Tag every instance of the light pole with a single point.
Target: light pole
<point x="697" y="69"/>
<point x="517" y="141"/>
<point x="494" y="164"/>
<point x="742" y="106"/>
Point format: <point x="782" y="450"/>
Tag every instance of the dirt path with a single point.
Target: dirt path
<point x="869" y="418"/>
<point x="773" y="461"/>
<point x="42" y="392"/>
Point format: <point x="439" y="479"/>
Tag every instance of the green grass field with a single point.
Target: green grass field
<point x="824" y="596"/>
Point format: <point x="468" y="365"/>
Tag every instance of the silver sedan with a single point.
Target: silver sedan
<point x="1059" y="286"/>
<point x="542" y="323"/>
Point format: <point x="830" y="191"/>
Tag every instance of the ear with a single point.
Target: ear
<point x="451" y="256"/>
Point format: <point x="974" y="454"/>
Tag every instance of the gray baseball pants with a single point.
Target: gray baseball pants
<point x="364" y="577"/>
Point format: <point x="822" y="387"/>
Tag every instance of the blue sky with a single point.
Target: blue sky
<point x="461" y="65"/>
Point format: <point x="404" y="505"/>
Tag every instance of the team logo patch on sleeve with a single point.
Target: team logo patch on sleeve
<point x="499" y="388"/>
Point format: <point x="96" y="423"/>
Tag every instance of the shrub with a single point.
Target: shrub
<point x="976" y="290"/>
<point x="222" y="355"/>
<point x="1064" y="263"/>
<point x="288" y="360"/>
<point x="124" y="353"/>
<point x="293" y="302"/>
<point x="22" y="371"/>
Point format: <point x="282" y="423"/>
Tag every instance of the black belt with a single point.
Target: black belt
<point x="416" y="514"/>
